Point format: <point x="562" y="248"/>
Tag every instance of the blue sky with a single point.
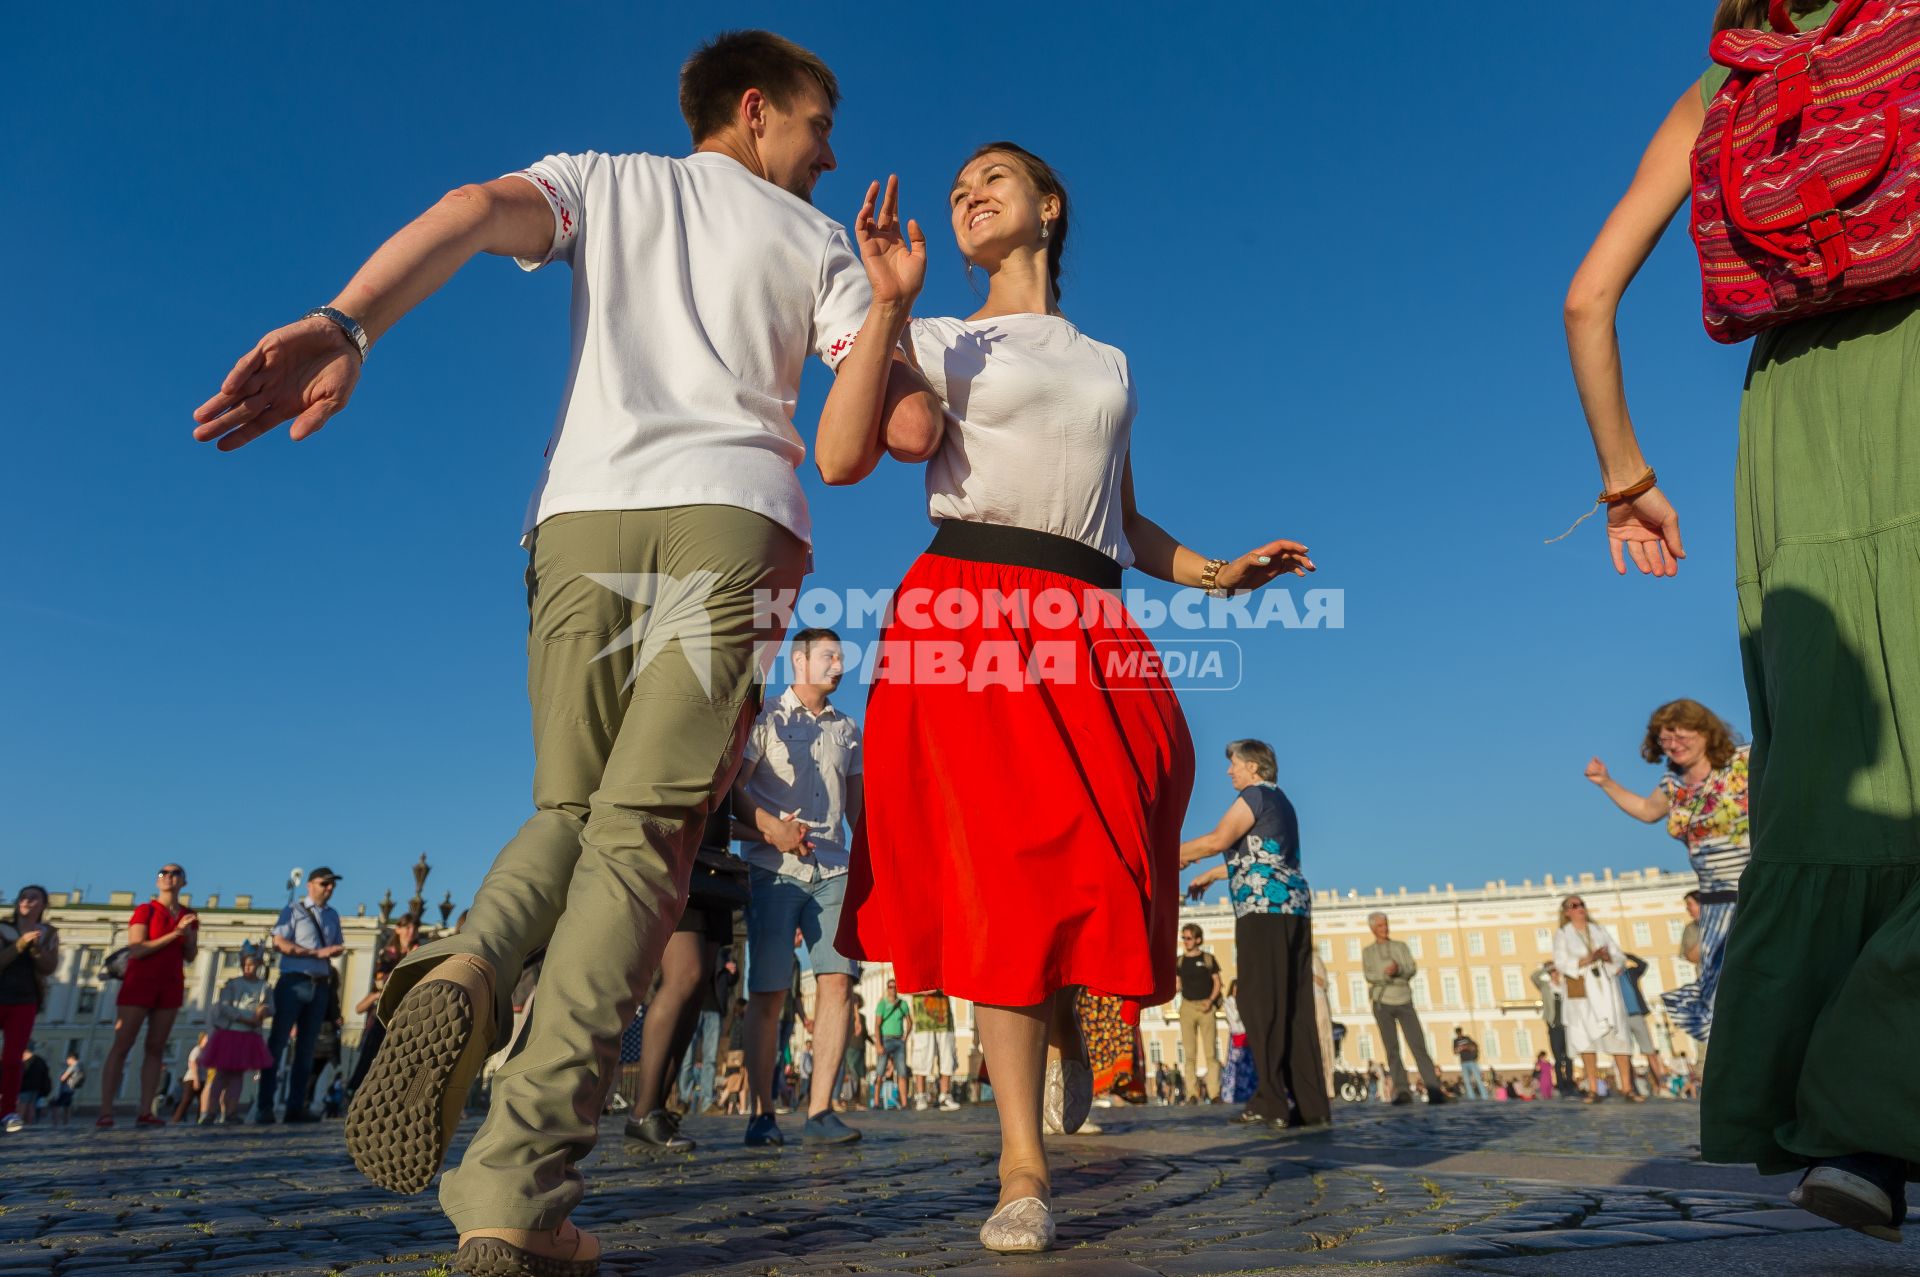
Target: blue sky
<point x="1333" y="242"/>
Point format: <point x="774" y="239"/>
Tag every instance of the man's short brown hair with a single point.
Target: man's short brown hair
<point x="732" y="62"/>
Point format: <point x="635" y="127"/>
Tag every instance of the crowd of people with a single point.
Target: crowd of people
<point x="1036" y="878"/>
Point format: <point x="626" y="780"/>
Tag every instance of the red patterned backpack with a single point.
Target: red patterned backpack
<point x="1806" y="177"/>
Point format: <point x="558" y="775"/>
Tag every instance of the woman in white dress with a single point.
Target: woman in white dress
<point x="1591" y="962"/>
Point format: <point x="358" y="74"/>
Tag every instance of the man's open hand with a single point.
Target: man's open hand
<point x="305" y="371"/>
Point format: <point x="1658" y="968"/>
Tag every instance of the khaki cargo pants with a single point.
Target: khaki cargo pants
<point x="641" y="657"/>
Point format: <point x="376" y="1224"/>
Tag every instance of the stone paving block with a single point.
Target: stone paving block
<point x="1208" y="1263"/>
<point x="1422" y="1248"/>
<point x="1782" y="1221"/>
<point x="1692" y="1230"/>
<point x="1579" y="1239"/>
<point x="1050" y="1266"/>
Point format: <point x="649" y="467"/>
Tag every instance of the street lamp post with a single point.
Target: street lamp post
<point x="417" y="906"/>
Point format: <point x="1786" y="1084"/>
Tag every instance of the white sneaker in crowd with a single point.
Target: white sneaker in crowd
<point x="949" y="1105"/>
<point x="920" y="1104"/>
<point x="12" y="1123"/>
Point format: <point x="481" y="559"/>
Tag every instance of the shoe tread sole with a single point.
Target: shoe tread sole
<point x="491" y="1257"/>
<point x="396" y="1129"/>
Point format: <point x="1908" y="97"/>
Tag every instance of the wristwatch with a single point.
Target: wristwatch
<point x="345" y="323"/>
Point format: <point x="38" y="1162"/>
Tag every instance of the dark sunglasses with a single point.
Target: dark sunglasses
<point x="173" y="873"/>
<point x="1576" y="904"/>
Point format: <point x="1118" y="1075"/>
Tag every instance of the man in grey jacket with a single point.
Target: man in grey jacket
<point x="1389" y="967"/>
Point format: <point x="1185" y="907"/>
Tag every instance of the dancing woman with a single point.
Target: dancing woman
<point x="1703" y="799"/>
<point x="1810" y="1062"/>
<point x="1031" y="767"/>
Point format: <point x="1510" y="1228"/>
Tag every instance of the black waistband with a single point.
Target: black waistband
<point x="1024" y="548"/>
<point x="1726" y="897"/>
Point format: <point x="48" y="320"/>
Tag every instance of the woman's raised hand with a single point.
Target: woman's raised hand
<point x="896" y="263"/>
<point x="1257" y="567"/>
<point x="1597" y="771"/>
<point x="1647" y="530"/>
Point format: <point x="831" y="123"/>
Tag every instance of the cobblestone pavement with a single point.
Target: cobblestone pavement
<point x="1471" y="1188"/>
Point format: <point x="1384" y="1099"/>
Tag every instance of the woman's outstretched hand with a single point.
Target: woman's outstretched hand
<point x="896" y="262"/>
<point x="1257" y="567"/>
<point x="1597" y="771"/>
<point x="1647" y="530"/>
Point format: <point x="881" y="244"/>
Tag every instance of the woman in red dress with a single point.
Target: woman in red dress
<point x="162" y="936"/>
<point x="1029" y="763"/>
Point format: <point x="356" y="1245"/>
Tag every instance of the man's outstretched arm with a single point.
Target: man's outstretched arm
<point x="306" y="371"/>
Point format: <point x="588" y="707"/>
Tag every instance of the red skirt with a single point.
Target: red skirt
<point x="1027" y="777"/>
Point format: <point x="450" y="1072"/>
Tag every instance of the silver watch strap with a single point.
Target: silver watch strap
<point x="345" y="323"/>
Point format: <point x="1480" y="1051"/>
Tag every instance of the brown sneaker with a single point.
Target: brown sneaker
<point x="406" y="1111"/>
<point x="518" y="1252"/>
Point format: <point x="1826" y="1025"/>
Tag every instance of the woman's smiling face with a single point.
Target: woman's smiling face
<point x="996" y="208"/>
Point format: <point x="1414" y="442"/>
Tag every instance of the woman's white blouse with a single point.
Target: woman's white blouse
<point x="1039" y="419"/>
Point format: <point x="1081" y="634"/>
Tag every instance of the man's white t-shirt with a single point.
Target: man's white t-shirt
<point x="1041" y="416"/>
<point x="698" y="291"/>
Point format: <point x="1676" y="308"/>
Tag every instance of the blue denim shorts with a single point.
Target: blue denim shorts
<point x="777" y="907"/>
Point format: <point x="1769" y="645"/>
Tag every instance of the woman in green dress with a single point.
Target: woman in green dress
<point x="1817" y="1018"/>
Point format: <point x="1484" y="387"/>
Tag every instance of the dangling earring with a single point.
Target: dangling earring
<point x="1046" y="229"/>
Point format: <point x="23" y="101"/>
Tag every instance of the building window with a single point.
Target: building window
<point x="1450" y="988"/>
<point x="1643" y="933"/>
<point x="1511" y="979"/>
<point x="1443" y="944"/>
<point x="1353" y="951"/>
<point x="1543" y="939"/>
<point x="1675" y="929"/>
<point x="1419" y="985"/>
<point x="1523" y="1044"/>
<point x="1482" y="989"/>
<point x="1326" y="951"/>
<point x="1684" y="972"/>
<point x="89" y="1001"/>
<point x="1413" y="946"/>
<point x="1506" y="943"/>
<point x="1357" y="991"/>
<point x="1153" y="1053"/>
<point x="1476" y="944"/>
<point x="1366" y="1046"/>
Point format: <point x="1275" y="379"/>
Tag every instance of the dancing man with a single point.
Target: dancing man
<point x="668" y="502"/>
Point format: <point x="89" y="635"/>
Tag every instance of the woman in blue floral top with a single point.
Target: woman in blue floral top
<point x="1273" y="938"/>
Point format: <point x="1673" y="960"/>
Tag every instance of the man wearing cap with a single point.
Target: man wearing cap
<point x="306" y="936"/>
